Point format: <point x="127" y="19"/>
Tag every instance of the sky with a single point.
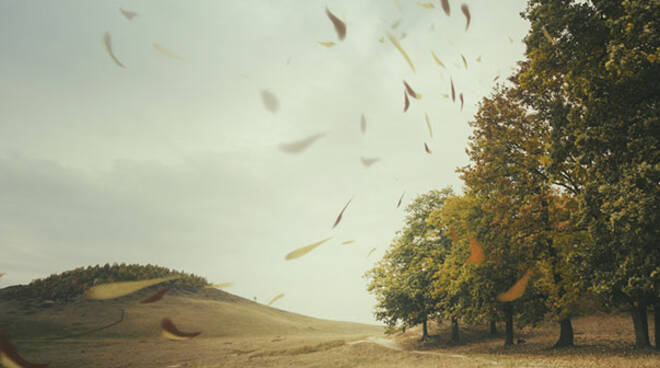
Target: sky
<point x="176" y="161"/>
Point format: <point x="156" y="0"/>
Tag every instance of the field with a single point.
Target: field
<point x="240" y="333"/>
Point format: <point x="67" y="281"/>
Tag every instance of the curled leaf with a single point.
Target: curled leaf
<point x="427" y="149"/>
<point x="156" y="297"/>
<point x="401" y="50"/>
<point x="406" y="101"/>
<point x="107" y="44"/>
<point x="464" y="62"/>
<point x="275" y="298"/>
<point x="466" y="11"/>
<point x="167" y="52"/>
<point x="304" y="250"/>
<point x="517" y="290"/>
<point x="341" y="213"/>
<point x="340" y="26"/>
<point x="326" y="44"/>
<point x="169" y="331"/>
<point x="369" y="161"/>
<point x="437" y="60"/>
<point x="411" y="92"/>
<point x="117" y="289"/>
<point x="428" y="125"/>
<point x="10" y="358"/>
<point x="128" y="14"/>
<point x="270" y="100"/>
<point x="445" y="6"/>
<point x="301" y="145"/>
<point x="476" y="252"/>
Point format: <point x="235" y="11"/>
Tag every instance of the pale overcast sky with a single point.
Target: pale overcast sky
<point x="176" y="162"/>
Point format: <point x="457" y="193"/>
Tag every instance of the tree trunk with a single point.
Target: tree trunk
<point x="656" y="310"/>
<point x="425" y="331"/>
<point x="454" y="330"/>
<point x="493" y="327"/>
<point x="508" y="318"/>
<point x="565" y="334"/>
<point x="640" y="321"/>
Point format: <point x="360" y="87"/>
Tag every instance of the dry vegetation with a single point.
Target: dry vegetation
<point x="240" y="333"/>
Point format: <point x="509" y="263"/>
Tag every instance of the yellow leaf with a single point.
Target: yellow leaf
<point x="517" y="290"/>
<point x="304" y="250"/>
<point x="401" y="50"/>
<point x="117" y="289"/>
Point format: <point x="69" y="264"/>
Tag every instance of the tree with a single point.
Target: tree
<point x="593" y="78"/>
<point x="402" y="279"/>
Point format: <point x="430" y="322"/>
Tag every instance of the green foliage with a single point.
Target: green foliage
<point x="71" y="284"/>
<point x="402" y="279"/>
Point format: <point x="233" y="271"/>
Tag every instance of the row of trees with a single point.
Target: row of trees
<point x="564" y="180"/>
<point x="72" y="284"/>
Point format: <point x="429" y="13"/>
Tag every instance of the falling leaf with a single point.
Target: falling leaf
<point x="116" y="289"/>
<point x="496" y="78"/>
<point x="510" y="39"/>
<point x="363" y="124"/>
<point x="395" y="24"/>
<point x="10" y="358"/>
<point x="476" y="252"/>
<point x="371" y="251"/>
<point x="401" y="50"/>
<point x="406" y="101"/>
<point x="341" y="213"/>
<point x="2" y="274"/>
<point x="347" y="242"/>
<point x="453" y="92"/>
<point x="479" y="59"/>
<point x="437" y="60"/>
<point x="107" y="43"/>
<point x="398" y="204"/>
<point x="156" y="297"/>
<point x="381" y="40"/>
<point x="547" y="36"/>
<point x="368" y="161"/>
<point x="304" y="250"/>
<point x="301" y="145"/>
<point x="340" y="26"/>
<point x="275" y="298"/>
<point x="169" y="331"/>
<point x="453" y="235"/>
<point x="426" y="5"/>
<point x="167" y="52"/>
<point x="270" y="100"/>
<point x="445" y="95"/>
<point x="403" y="35"/>
<point x="464" y="61"/>
<point x="428" y="125"/>
<point x="460" y="96"/>
<point x="327" y="44"/>
<point x="411" y="92"/>
<point x="219" y="286"/>
<point x="427" y="149"/>
<point x="466" y="12"/>
<point x="517" y="290"/>
<point x="128" y="14"/>
<point x="445" y="6"/>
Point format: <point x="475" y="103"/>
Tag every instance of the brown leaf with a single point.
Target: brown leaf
<point x="156" y="297"/>
<point x="270" y="100"/>
<point x="369" y="161"/>
<point x="128" y="14"/>
<point x="466" y="11"/>
<point x="363" y="124"/>
<point x="10" y="358"/>
<point x="453" y="92"/>
<point x="406" y="101"/>
<point x="460" y="96"/>
<point x="169" y="331"/>
<point x="464" y="61"/>
<point x="341" y="213"/>
<point x="445" y="6"/>
<point x="476" y="252"/>
<point x="427" y="149"/>
<point x="400" y="200"/>
<point x="340" y="26"/>
<point x="107" y="43"/>
<point x="301" y="145"/>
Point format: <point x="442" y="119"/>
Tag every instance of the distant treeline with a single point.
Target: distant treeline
<point x="71" y="284"/>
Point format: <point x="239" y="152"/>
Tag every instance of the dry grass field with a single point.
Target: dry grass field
<point x="240" y="333"/>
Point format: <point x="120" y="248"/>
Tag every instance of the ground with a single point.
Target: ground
<point x="240" y="333"/>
